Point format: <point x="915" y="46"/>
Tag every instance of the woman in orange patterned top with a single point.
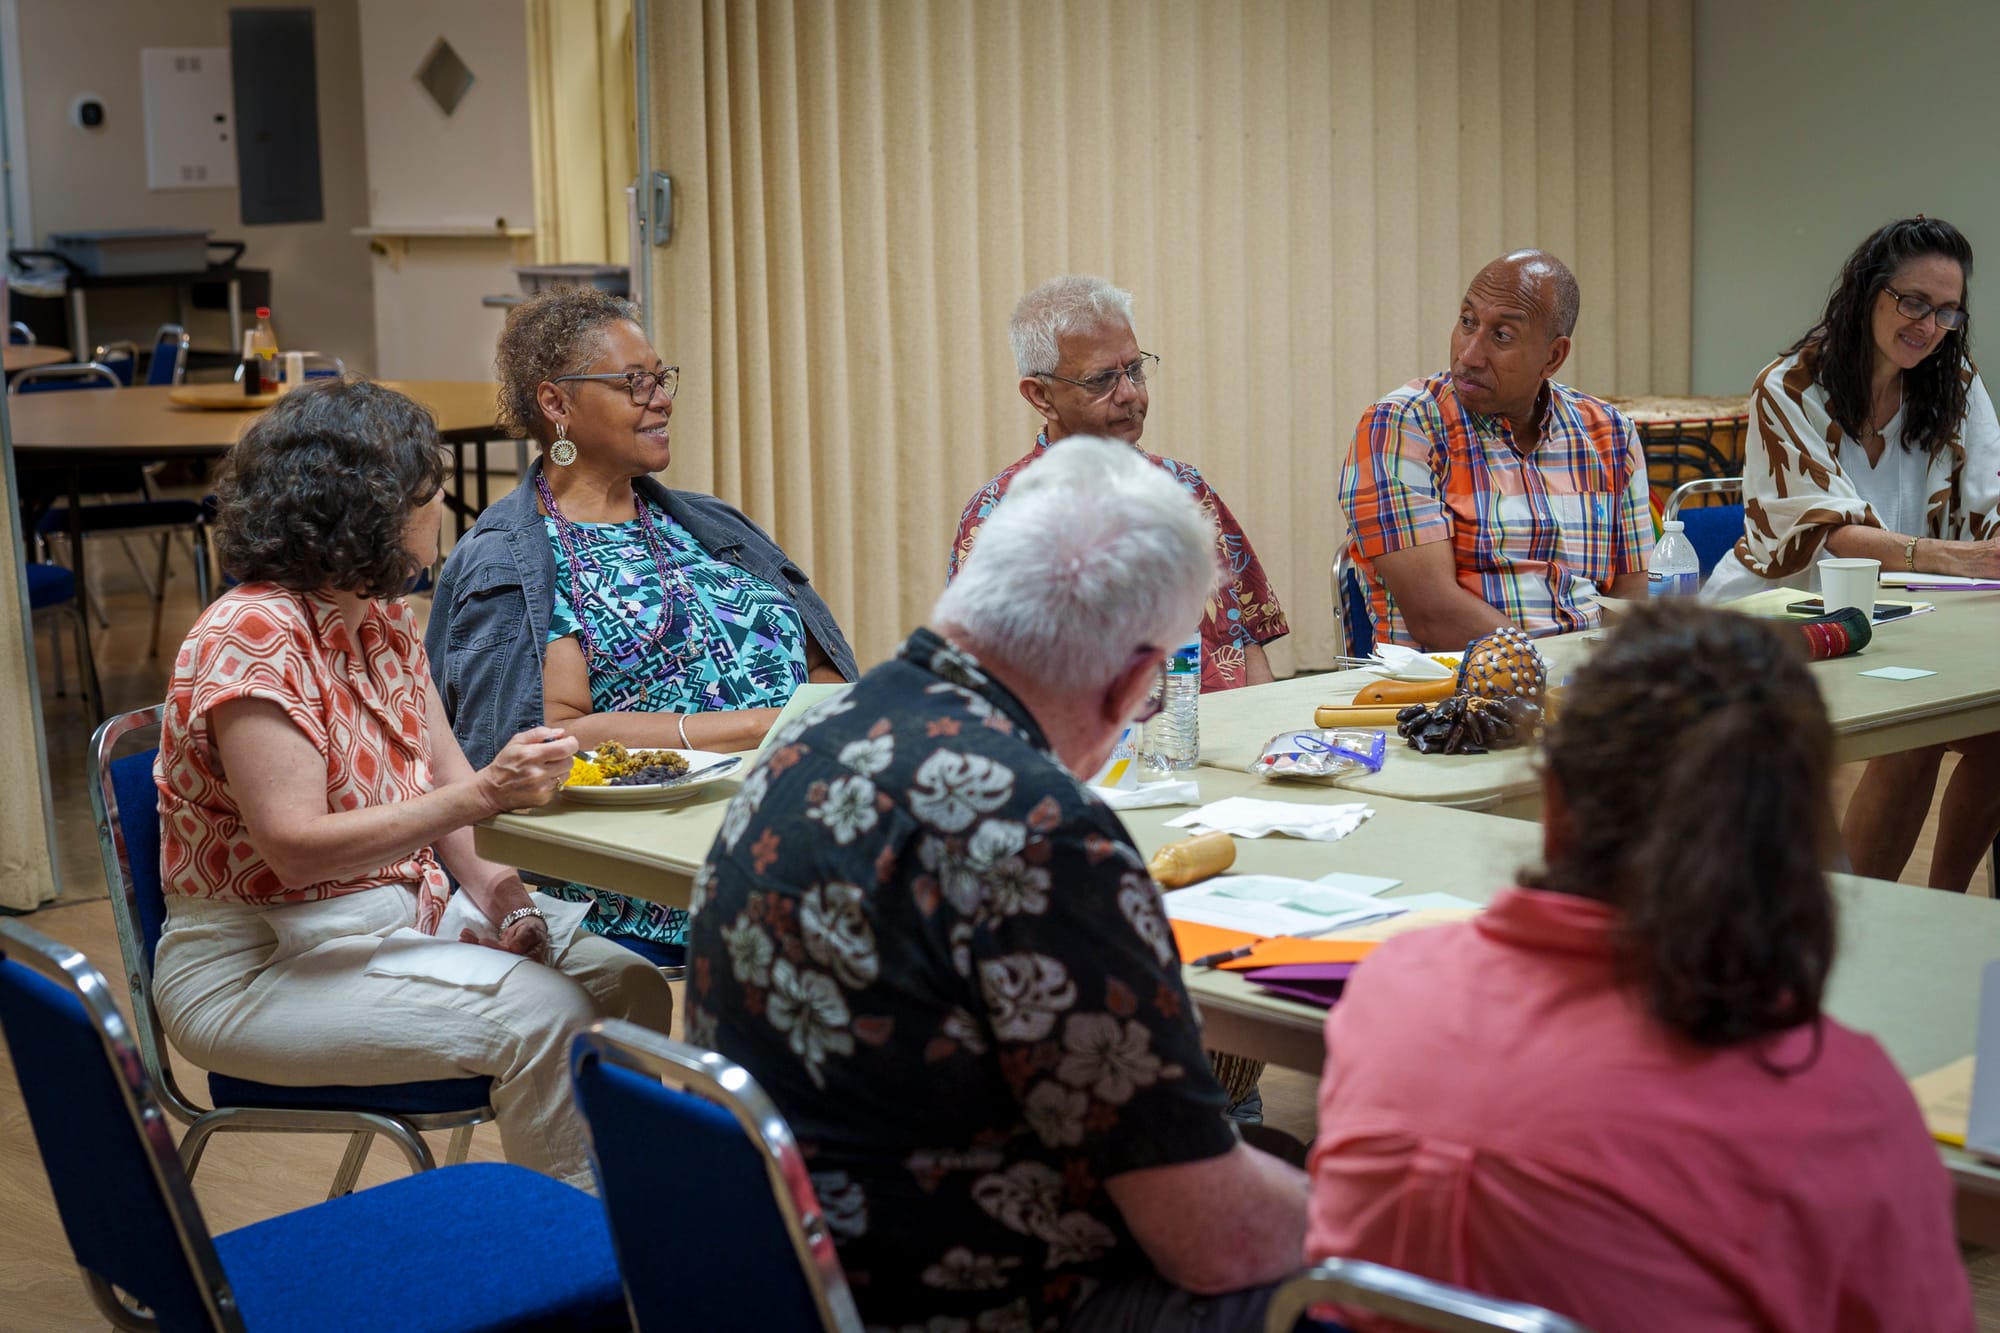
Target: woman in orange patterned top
<point x="312" y="800"/>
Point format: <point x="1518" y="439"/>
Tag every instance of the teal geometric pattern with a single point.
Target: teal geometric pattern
<point x="735" y="641"/>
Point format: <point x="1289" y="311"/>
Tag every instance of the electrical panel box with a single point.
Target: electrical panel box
<point x="190" y="118"/>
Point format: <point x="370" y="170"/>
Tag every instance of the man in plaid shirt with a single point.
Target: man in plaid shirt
<point x="1489" y="494"/>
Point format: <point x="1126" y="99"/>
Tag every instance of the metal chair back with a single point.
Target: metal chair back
<point x="669" y="1120"/>
<point x="1712" y="529"/>
<point x="126" y="1205"/>
<point x="170" y="354"/>
<point x="125" y="803"/>
<point x="19" y="334"/>
<point x="122" y="356"/>
<point x="1416" y="1302"/>
<point x="65" y="375"/>
<point x="1353" y="619"/>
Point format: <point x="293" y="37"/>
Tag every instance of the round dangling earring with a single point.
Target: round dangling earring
<point x="563" y="452"/>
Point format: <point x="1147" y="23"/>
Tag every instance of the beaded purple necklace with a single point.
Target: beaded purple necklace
<point x="575" y="561"/>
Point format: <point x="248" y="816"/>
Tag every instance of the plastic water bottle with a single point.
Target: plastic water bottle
<point x="1674" y="570"/>
<point x="1172" y="739"/>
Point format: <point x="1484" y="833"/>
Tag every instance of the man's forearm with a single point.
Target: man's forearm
<point x="1452" y="619"/>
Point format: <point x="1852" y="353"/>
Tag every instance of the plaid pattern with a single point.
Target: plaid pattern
<point x="1534" y="537"/>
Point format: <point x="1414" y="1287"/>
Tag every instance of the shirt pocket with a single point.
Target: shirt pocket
<point x="1586" y="526"/>
<point x="489" y="608"/>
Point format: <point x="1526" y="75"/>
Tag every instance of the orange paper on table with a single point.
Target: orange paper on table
<point x="1285" y="949"/>
<point x="1198" y="941"/>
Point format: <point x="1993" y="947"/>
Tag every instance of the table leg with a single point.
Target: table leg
<point x="236" y="315"/>
<point x="79" y="324"/>
<point x="71" y="480"/>
<point x="480" y="465"/>
<point x="458" y="487"/>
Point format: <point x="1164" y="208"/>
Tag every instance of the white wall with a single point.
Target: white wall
<point x="472" y="169"/>
<point x="80" y="179"/>
<point x="1814" y="124"/>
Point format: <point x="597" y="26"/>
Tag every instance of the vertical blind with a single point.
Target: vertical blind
<point x="1295" y="193"/>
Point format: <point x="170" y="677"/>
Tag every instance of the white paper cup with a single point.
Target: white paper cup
<point x="1849" y="581"/>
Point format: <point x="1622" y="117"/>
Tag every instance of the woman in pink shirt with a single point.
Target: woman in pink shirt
<point x="1615" y="1093"/>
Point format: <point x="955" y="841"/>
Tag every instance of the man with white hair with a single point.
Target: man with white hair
<point x="944" y="960"/>
<point x="1082" y="371"/>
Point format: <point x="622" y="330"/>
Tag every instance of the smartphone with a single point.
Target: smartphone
<point x="1813" y="606"/>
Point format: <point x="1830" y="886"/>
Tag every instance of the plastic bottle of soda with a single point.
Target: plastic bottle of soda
<point x="266" y="343"/>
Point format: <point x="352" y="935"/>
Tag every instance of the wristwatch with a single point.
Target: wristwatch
<point x="521" y="914"/>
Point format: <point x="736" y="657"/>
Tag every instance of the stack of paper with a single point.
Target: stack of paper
<point x="1248" y="817"/>
<point x="1276" y="905"/>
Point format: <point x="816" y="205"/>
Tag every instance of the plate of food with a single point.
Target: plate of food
<point x="614" y="775"/>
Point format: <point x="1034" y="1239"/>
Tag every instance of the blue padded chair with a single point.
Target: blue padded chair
<point x="19" y="334"/>
<point x="1412" y="1301"/>
<point x="414" y="1254"/>
<point x="1711" y="528"/>
<point x="669" y="1121"/>
<point x="65" y="375"/>
<point x="52" y="596"/>
<point x="126" y="804"/>
<point x="1350" y="605"/>
<point x="166" y="366"/>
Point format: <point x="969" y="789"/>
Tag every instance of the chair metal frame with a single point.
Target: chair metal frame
<point x="60" y="963"/>
<point x="71" y="609"/>
<point x="402" y="1130"/>
<point x="18" y="329"/>
<point x="1687" y="490"/>
<point x="65" y="370"/>
<point x="717" y="1079"/>
<point x="1343" y="568"/>
<point x="1419" y="1302"/>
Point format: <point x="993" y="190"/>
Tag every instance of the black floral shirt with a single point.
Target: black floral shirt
<point x="946" y="963"/>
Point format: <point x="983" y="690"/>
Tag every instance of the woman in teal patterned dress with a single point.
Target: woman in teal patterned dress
<point x="652" y="617"/>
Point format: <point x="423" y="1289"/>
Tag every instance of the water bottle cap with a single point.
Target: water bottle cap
<point x="263" y="312"/>
<point x="1673" y="525"/>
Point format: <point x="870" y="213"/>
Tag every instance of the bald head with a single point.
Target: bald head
<point x="1513" y="334"/>
<point x="1537" y="281"/>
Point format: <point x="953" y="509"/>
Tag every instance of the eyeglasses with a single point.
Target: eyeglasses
<point x="1914" y="308"/>
<point x="641" y="384"/>
<point x="1105" y="382"/>
<point x="1154" y="701"/>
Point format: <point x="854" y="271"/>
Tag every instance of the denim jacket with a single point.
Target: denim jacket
<point x="489" y="624"/>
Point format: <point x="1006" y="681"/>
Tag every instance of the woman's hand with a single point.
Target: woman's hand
<point x="1979" y="560"/>
<point x="528" y="937"/>
<point x="529" y="770"/>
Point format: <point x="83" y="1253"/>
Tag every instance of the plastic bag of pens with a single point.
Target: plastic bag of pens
<point x="1321" y="754"/>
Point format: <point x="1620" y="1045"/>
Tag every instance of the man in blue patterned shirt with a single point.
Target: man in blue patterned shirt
<point x="944" y="960"/>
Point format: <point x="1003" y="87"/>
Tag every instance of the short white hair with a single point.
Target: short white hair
<point x="1073" y="303"/>
<point x="1093" y="552"/>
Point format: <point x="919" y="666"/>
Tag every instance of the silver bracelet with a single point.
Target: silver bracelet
<point x="681" y="721"/>
<point x="522" y="914"/>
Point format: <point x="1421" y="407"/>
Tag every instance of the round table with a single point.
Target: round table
<point x="26" y="356"/>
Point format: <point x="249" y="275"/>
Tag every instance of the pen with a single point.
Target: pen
<point x="1222" y="956"/>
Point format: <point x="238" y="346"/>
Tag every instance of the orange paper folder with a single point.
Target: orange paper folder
<point x="1198" y="941"/>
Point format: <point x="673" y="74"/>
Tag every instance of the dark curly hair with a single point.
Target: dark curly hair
<point x="553" y="333"/>
<point x="1842" y="345"/>
<point x="1711" y="852"/>
<point x="317" y="493"/>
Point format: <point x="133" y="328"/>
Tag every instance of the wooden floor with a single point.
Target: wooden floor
<point x="248" y="1177"/>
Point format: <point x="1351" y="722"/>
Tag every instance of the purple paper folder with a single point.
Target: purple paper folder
<point x="1313" y="983"/>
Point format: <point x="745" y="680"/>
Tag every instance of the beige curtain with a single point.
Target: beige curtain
<point x="1295" y="192"/>
<point x="581" y="119"/>
<point x="27" y="876"/>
